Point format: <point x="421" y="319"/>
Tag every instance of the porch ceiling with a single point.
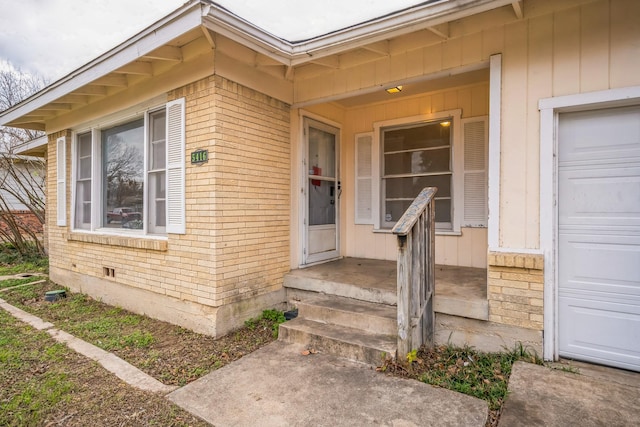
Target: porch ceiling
<point x="418" y="87"/>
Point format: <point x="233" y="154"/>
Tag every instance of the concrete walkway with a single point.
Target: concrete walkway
<point x="278" y="386"/>
<point x="597" y="396"/>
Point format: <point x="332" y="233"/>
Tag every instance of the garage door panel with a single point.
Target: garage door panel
<point x="601" y="134"/>
<point x="598" y="199"/>
<point x="600" y="259"/>
<point x="599" y="236"/>
<point x="590" y="330"/>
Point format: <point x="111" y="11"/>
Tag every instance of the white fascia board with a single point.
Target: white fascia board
<point x="30" y="145"/>
<point x="170" y="27"/>
<point x="294" y="53"/>
<point x="394" y="25"/>
<point x="225" y="23"/>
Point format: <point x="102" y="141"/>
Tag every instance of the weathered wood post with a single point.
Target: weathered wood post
<point x="415" y="232"/>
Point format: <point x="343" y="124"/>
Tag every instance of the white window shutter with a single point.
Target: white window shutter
<point x="364" y="179"/>
<point x="475" y="172"/>
<point x="176" y="167"/>
<point x="61" y="174"/>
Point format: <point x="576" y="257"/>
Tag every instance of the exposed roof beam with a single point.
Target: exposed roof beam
<point x="381" y="47"/>
<point x="116" y="80"/>
<point x="518" y="8"/>
<point x="441" y="31"/>
<point x="327" y="61"/>
<point x="75" y="99"/>
<point x="139" y="68"/>
<point x="262" y="60"/>
<point x="165" y="53"/>
<point x="29" y="119"/>
<point x="91" y="90"/>
<point x="209" y="36"/>
<point x="55" y="107"/>
<point x="289" y="72"/>
<point x="61" y="105"/>
<point x="31" y="126"/>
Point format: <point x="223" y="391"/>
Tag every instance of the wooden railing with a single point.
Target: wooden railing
<point x="416" y="273"/>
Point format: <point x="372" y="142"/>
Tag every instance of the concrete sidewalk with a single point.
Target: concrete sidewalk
<point x="597" y="396"/>
<point x="277" y="386"/>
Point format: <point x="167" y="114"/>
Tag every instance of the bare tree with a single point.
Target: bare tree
<point x="22" y="178"/>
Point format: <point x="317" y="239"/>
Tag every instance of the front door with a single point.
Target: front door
<point x="322" y="190"/>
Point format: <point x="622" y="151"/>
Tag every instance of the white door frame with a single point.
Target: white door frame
<point x="549" y="110"/>
<point x="303" y="171"/>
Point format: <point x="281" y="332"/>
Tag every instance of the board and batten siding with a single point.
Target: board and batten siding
<point x="587" y="47"/>
<point x="560" y="47"/>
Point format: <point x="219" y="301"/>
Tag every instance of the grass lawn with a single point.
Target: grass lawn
<point x="43" y="382"/>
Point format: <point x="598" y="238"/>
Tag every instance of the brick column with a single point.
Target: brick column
<point x="515" y="292"/>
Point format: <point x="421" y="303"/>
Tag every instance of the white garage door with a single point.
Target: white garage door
<point x="599" y="236"/>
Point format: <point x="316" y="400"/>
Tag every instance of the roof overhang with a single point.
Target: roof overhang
<point x="426" y="15"/>
<point x="34" y="112"/>
<point x="180" y="21"/>
<point x="36" y="147"/>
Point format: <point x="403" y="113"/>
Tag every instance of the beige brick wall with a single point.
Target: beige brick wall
<point x="236" y="244"/>
<point x="515" y="289"/>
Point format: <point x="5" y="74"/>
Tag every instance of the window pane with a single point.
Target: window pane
<point x="322" y="153"/>
<point x="158" y="155"/>
<point x="158" y="125"/>
<point x="83" y="204"/>
<point x="397" y="188"/>
<point x="83" y="185"/>
<point x="161" y="213"/>
<point x="123" y="180"/>
<point x="84" y="164"/>
<point x="84" y="145"/>
<point x="414" y="162"/>
<point x="443" y="210"/>
<point x="322" y="208"/>
<point x="395" y="209"/>
<point x="427" y="135"/>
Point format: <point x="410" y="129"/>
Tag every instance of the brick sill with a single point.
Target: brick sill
<point x="127" y="242"/>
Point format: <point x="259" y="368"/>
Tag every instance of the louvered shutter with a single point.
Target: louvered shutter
<point x="176" y="167"/>
<point x="61" y="173"/>
<point x="364" y="179"/>
<point x="475" y="172"/>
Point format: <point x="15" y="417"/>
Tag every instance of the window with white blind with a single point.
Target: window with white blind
<point x="402" y="156"/>
<point x="413" y="157"/>
<point x="121" y="179"/>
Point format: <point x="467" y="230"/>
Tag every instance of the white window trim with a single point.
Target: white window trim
<point x="95" y="127"/>
<point x="457" y="153"/>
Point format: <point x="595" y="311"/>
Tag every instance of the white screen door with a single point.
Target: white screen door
<point x="322" y="190"/>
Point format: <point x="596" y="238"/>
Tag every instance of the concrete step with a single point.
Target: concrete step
<point x="362" y="290"/>
<point x="343" y="341"/>
<point x="366" y="316"/>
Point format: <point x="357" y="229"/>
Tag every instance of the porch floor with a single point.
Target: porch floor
<point x="460" y="291"/>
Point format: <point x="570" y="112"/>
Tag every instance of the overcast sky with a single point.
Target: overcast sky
<point x="54" y="37"/>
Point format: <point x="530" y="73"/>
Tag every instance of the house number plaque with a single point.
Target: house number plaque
<point x="199" y="156"/>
